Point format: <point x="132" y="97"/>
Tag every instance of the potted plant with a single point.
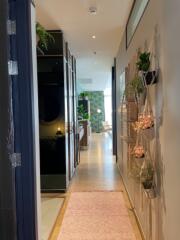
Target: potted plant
<point x="84" y="96"/>
<point x="143" y="65"/>
<point x="82" y="114"/>
<point x="138" y="151"/>
<point x="147" y="180"/>
<point x="43" y="37"/>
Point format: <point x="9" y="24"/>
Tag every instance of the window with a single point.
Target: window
<point x="137" y="11"/>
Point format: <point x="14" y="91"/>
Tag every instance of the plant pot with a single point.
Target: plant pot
<point x="150" y="77"/>
<point x="150" y="192"/>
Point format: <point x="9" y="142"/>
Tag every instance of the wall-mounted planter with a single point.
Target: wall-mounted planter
<point x="138" y="151"/>
<point x="150" y="77"/>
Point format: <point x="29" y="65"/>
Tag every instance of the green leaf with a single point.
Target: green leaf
<point x="44" y="36"/>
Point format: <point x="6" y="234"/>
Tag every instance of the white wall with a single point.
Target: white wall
<point x="162" y="15"/>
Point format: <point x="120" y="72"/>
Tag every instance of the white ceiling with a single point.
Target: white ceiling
<point x="79" y="26"/>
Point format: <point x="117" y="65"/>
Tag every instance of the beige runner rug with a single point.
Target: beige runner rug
<point x="96" y="216"/>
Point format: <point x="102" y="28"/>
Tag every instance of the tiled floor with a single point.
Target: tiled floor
<point x="97" y="172"/>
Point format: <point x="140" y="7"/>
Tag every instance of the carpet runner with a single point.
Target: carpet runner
<point x="96" y="216"/>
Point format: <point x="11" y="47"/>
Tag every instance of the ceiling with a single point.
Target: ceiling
<point x="94" y="56"/>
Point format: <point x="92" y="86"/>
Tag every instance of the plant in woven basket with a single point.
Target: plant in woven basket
<point x="138" y="151"/>
<point x="43" y="36"/>
<point x="143" y="65"/>
<point x="146" y="121"/>
<point x="137" y="125"/>
<point x="135" y="87"/>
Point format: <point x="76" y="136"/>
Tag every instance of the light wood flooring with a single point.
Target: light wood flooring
<point x="97" y="172"/>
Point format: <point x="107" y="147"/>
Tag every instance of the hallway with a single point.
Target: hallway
<point x="97" y="169"/>
<point x="97" y="198"/>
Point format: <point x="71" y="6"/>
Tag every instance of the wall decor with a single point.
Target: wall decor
<point x="96" y="99"/>
<point x="143" y="66"/>
<point x="139" y="117"/>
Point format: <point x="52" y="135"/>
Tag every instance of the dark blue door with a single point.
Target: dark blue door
<point x="25" y="117"/>
<point x="7" y="171"/>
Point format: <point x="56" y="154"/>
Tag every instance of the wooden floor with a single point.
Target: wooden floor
<point x="97" y="172"/>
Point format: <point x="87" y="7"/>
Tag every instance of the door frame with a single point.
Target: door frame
<point x="26" y="123"/>
<point x="114" y="118"/>
<point x="7" y="172"/>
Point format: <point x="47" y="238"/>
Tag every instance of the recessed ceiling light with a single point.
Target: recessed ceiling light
<point x="93" y="36"/>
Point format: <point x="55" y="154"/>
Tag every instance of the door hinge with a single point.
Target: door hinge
<point x="11" y="27"/>
<point x="12" y="67"/>
<point x="16" y="160"/>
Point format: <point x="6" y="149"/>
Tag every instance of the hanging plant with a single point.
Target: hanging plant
<point x="43" y="37"/>
<point x="143" y="65"/>
<point x="135" y="87"/>
<point x="138" y="150"/>
<point x="138" y="125"/>
<point x="146" y="121"/>
<point x="147" y="180"/>
<point x="144" y="62"/>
